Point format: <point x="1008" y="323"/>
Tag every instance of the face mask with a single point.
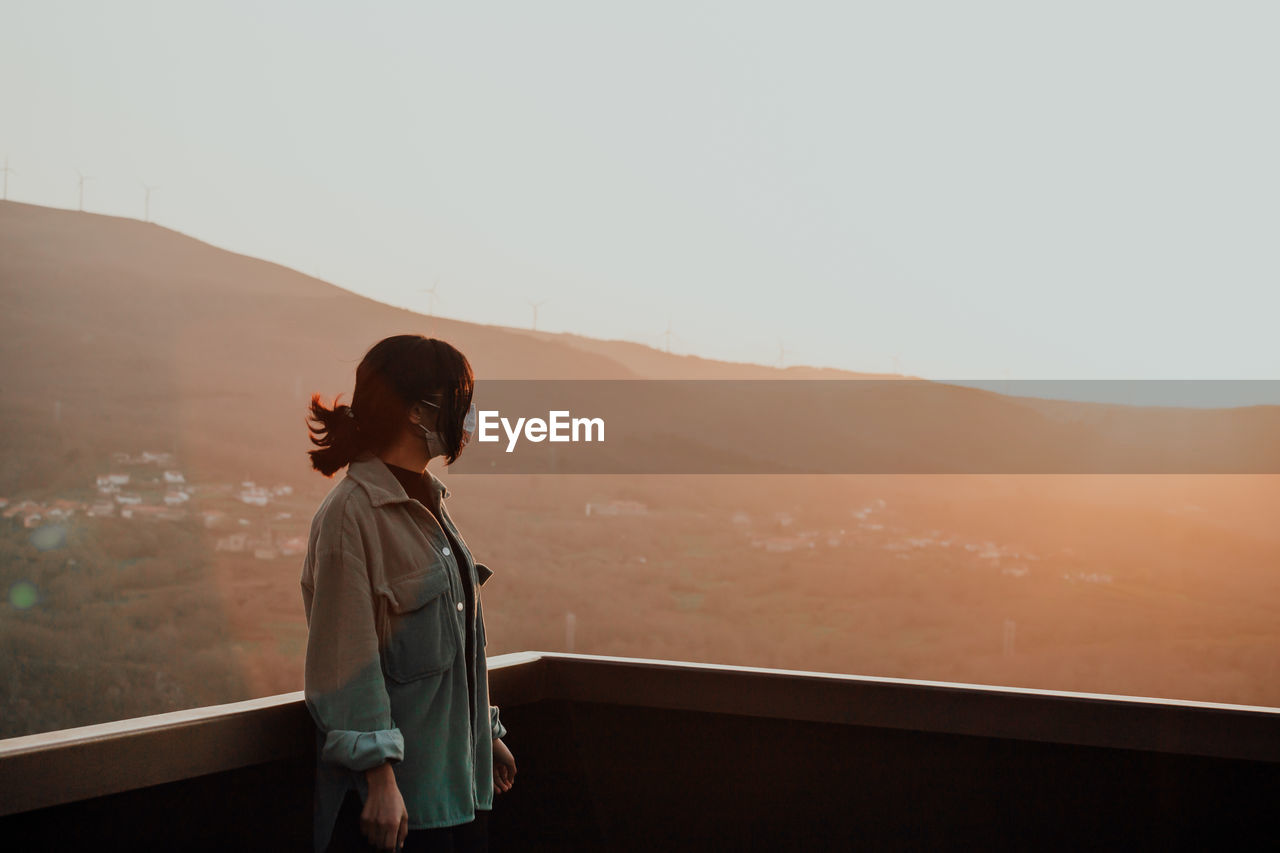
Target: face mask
<point x="435" y="441"/>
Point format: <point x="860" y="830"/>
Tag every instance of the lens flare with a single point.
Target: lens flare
<point x="49" y="536"/>
<point x="23" y="595"/>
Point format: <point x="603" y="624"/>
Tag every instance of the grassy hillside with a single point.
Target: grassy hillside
<point x="123" y="337"/>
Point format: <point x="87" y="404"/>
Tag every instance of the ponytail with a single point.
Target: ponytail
<point x="336" y="433"/>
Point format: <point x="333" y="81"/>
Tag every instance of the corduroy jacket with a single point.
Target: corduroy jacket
<point x="385" y="675"/>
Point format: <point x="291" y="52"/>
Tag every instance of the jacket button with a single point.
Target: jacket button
<point x="445" y="550"/>
<point x="459" y="605"/>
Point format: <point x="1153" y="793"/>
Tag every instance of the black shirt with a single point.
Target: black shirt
<point x="416" y="487"/>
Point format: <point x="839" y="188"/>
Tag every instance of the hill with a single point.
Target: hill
<point x="120" y="334"/>
<point x="122" y="337"/>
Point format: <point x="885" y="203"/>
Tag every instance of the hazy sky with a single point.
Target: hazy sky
<point x="1067" y="190"/>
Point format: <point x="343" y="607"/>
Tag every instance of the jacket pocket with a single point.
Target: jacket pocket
<point x="422" y="638"/>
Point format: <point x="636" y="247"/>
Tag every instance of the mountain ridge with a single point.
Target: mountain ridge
<point x="125" y="335"/>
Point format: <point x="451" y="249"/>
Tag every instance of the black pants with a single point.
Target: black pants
<point x="470" y="837"/>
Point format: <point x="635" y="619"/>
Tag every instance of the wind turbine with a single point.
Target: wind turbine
<point x="535" y="305"/>
<point x="782" y="353"/>
<point x="83" y="178"/>
<point x="667" y="335"/>
<point x="897" y="365"/>
<point x="146" y="215"/>
<point x="431" y="297"/>
<point x="7" y="171"/>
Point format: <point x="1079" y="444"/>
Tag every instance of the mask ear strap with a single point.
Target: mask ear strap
<point x="422" y="426"/>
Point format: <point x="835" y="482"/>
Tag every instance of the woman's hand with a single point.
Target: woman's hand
<point x="385" y="820"/>
<point x="504" y="767"/>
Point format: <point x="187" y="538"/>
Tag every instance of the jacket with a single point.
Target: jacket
<point x="385" y="675"/>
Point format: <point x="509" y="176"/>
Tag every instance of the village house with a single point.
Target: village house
<point x="293" y="546"/>
<point x="782" y="544"/>
<point x="865" y="511"/>
<point x="21" y="506"/>
<point x="213" y="517"/>
<point x="232" y="542"/>
<point x="150" y="513"/>
<point x="1092" y="577"/>
<point x="147" y="457"/>
<point x="617" y="508"/>
<point x="174" y="477"/>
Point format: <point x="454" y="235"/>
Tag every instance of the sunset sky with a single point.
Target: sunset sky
<point x="988" y="189"/>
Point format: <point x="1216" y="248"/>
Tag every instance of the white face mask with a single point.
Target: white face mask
<point x="435" y="441"/>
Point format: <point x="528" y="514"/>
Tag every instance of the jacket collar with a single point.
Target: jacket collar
<point x="371" y="472"/>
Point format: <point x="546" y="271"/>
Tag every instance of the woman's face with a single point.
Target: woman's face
<point x="430" y="413"/>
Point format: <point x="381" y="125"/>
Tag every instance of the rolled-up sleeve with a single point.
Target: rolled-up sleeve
<point x="496" y="727"/>
<point x="342" y="682"/>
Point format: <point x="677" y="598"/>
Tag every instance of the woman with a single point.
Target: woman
<point x="409" y="751"/>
